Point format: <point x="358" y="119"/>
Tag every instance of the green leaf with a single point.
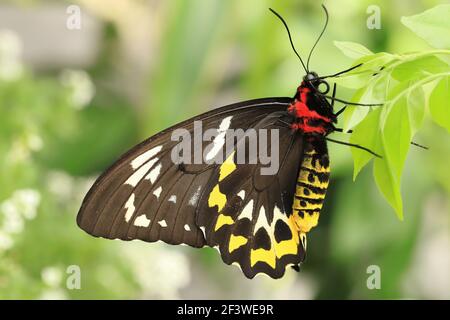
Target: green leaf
<point x="396" y="136"/>
<point x="365" y="134"/>
<point x="352" y="50"/>
<point x="388" y="185"/>
<point x="416" y="109"/>
<point x="432" y="25"/>
<point x="371" y="66"/>
<point x="355" y="114"/>
<point x="419" y="67"/>
<point x="376" y="61"/>
<point x="439" y="103"/>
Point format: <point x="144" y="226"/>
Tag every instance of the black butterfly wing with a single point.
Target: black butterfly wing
<point x="145" y="196"/>
<point x="248" y="215"/>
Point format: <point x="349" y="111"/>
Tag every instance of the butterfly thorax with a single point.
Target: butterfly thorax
<point x="312" y="114"/>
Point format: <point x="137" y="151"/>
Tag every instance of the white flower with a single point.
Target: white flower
<point x="34" y="142"/>
<point x="10" y="55"/>
<point x="21" y="205"/>
<point x="6" y="241"/>
<point x="12" y="220"/>
<point x="52" y="276"/>
<point x="81" y="85"/>
<point x="27" y="202"/>
<point x="60" y="184"/>
<point x="18" y="152"/>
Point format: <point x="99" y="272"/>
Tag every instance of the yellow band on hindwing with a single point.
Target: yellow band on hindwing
<point x="236" y="242"/>
<point x="262" y="255"/>
<point x="223" y="220"/>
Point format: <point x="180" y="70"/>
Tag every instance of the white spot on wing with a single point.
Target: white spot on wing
<point x="140" y="160"/>
<point x="153" y="175"/>
<point x="225" y="123"/>
<point x="247" y="211"/>
<point x="219" y="140"/>
<point x="157" y="192"/>
<point x="162" y="223"/>
<point x="195" y="196"/>
<point x="142" y="221"/>
<point x="278" y="215"/>
<point x="187" y="228"/>
<point x="173" y="198"/>
<point x="262" y="220"/>
<point x="203" y="231"/>
<point x="129" y="205"/>
<point x="134" y="179"/>
<point x="241" y="194"/>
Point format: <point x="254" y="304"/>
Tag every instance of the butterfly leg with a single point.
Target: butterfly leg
<point x="354" y="146"/>
<point x="333" y="99"/>
<point x="340" y="111"/>
<point x="333" y="95"/>
<point x="342" y="130"/>
<point x="412" y="142"/>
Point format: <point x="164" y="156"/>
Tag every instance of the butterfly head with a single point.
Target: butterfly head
<point x="314" y="82"/>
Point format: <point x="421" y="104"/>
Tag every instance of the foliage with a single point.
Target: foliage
<point x="406" y="85"/>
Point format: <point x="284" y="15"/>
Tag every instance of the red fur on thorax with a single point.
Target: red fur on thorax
<point x="304" y="127"/>
<point x="299" y="108"/>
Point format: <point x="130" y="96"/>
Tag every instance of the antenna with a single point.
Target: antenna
<point x="320" y="36"/>
<point x="290" y="38"/>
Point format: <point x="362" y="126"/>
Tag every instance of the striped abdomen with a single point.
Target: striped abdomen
<point x="312" y="184"/>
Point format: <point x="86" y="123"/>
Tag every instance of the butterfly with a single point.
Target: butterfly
<point x="257" y="222"/>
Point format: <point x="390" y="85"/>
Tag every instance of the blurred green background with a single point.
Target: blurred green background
<point x="73" y="100"/>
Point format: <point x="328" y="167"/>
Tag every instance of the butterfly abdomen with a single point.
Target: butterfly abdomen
<point x="312" y="184"/>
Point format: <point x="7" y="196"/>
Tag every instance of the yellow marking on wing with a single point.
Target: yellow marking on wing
<point x="227" y="167"/>
<point x="236" y="242"/>
<point x="289" y="246"/>
<point x="217" y="198"/>
<point x="262" y="255"/>
<point x="286" y="247"/>
<point x="223" y="220"/>
<point x="294" y="229"/>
